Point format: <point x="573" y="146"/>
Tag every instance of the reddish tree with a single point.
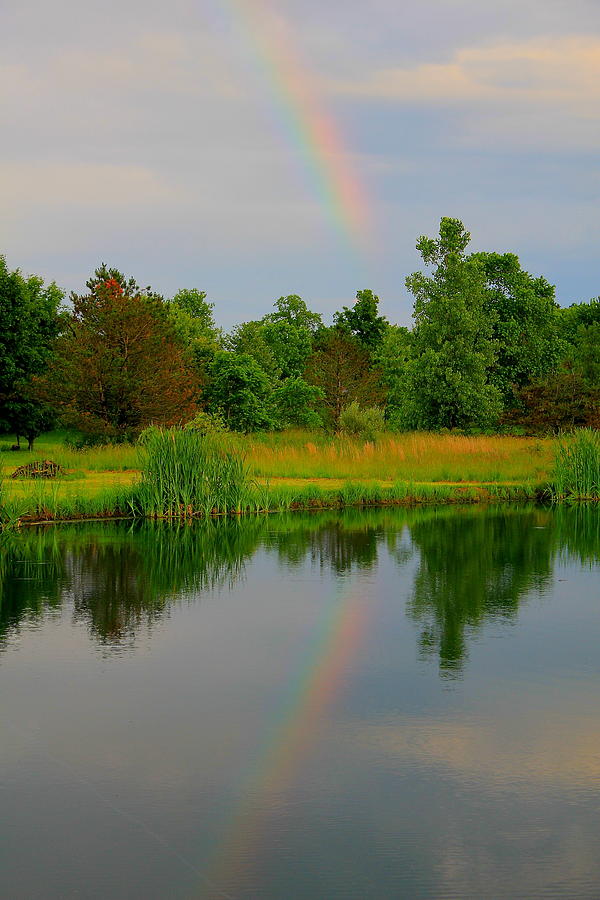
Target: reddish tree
<point x="341" y="367"/>
<point x="118" y="366"/>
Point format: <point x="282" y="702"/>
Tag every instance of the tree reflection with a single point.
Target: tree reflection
<point x="118" y="577"/>
<point x="477" y="564"/>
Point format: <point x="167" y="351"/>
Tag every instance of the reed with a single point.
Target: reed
<point x="576" y="472"/>
<point x="187" y="474"/>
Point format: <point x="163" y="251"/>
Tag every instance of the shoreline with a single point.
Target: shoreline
<point x="309" y="497"/>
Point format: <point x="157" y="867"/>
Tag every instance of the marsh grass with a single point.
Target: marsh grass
<point x="414" y="457"/>
<point x="185" y="474"/>
<point x="576" y="472"/>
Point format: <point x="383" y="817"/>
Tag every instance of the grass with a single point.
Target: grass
<point x="576" y="472"/>
<point x="417" y="457"/>
<point x="186" y="474"/>
<point x="276" y="471"/>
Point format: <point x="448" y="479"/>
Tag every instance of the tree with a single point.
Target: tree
<point x="447" y="383"/>
<point x="192" y="319"/>
<point x="29" y="324"/>
<point x="525" y="317"/>
<point x="294" y="311"/>
<point x="363" y="321"/>
<point x="289" y="332"/>
<point x="295" y="402"/>
<point x="567" y="397"/>
<point x="579" y="314"/>
<point x="393" y="358"/>
<point x="561" y="400"/>
<point x="249" y="338"/>
<point x="341" y="367"/>
<point x="119" y="366"/>
<point x="239" y="391"/>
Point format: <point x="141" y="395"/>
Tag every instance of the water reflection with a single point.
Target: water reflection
<point x="477" y="565"/>
<point x="471" y="565"/>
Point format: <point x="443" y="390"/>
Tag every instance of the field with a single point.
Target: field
<point x="295" y="468"/>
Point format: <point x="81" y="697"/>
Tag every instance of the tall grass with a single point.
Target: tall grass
<point x="186" y="474"/>
<point x="576" y="472"/>
<point x="414" y="457"/>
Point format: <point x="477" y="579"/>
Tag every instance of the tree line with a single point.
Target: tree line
<point x="489" y="348"/>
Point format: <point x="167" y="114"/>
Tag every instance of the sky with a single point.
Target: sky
<point x="258" y="148"/>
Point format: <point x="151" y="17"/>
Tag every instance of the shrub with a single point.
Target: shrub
<point x="207" y="423"/>
<point x="365" y="423"/>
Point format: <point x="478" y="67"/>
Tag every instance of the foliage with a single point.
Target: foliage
<point x="292" y="310"/>
<point x="290" y="346"/>
<point x="295" y="402"/>
<point x="29" y="323"/>
<point x="562" y="400"/>
<point x="446" y="382"/>
<point x="584" y="355"/>
<point x="249" y="339"/>
<point x="281" y="341"/>
<point x="578" y="315"/>
<point x="363" y="321"/>
<point x="119" y="366"/>
<point x="525" y="322"/>
<point x="193" y="323"/>
<point x="341" y="368"/>
<point x="239" y="391"/>
<point x="365" y="423"/>
<point x="206" y="423"/>
<point x="392" y="358"/>
<point x="577" y="466"/>
<point x="193" y="316"/>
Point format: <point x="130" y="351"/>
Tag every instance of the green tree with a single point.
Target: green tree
<point x="392" y="358"/>
<point x="363" y="320"/>
<point x="526" y="323"/>
<point x="294" y="311"/>
<point x="249" y="338"/>
<point x="119" y="366"/>
<point x="447" y="382"/>
<point x="29" y="324"/>
<point x="193" y="322"/>
<point x="295" y="402"/>
<point x="289" y="334"/>
<point x="240" y="391"/>
<point x="577" y="315"/>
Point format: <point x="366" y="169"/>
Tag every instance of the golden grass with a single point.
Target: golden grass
<point x="409" y="457"/>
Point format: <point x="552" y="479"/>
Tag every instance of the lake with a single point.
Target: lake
<point x="377" y="704"/>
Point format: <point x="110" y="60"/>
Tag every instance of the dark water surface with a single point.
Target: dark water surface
<point x="383" y="704"/>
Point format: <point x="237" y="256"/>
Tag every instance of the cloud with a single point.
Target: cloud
<point x="25" y="187"/>
<point x="543" y="754"/>
<point x="550" y="70"/>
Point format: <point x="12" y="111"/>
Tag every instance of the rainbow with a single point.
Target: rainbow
<point x="310" y="695"/>
<point x="310" y="128"/>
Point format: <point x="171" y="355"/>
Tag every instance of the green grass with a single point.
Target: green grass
<point x="185" y="474"/>
<point x="576" y="472"/>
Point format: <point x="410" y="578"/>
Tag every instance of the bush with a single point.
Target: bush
<point x="364" y="423"/>
<point x="207" y="423"/>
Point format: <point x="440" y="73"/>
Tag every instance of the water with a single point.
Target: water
<point x="373" y="705"/>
